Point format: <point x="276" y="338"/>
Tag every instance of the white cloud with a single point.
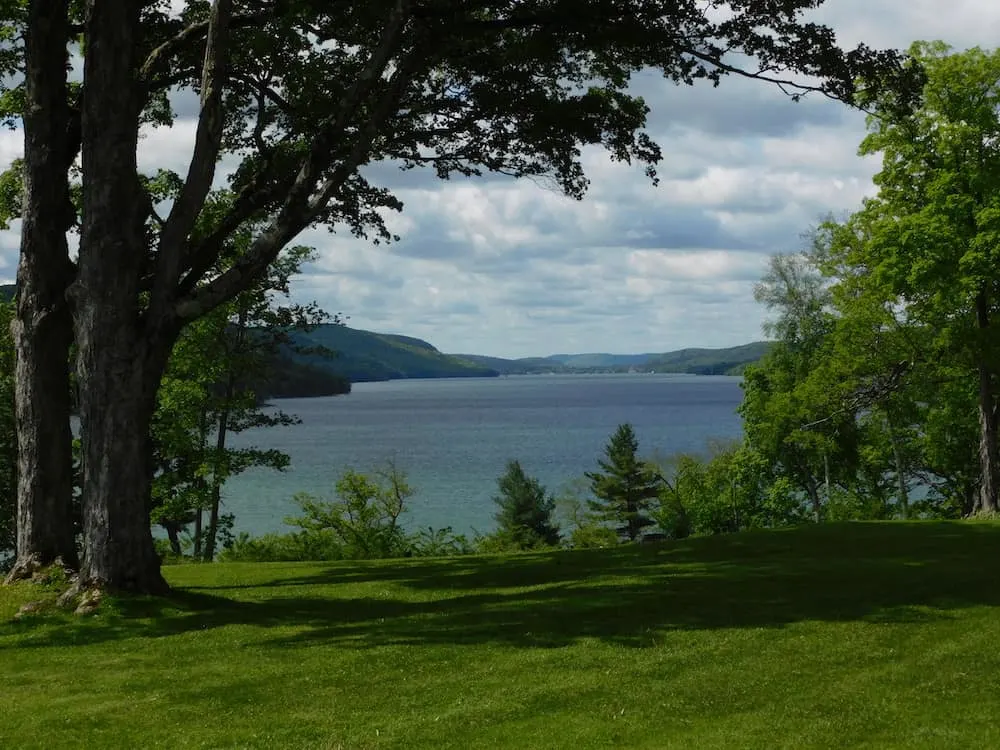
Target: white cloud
<point x="498" y="267"/>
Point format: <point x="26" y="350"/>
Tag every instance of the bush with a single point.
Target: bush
<point x="364" y="519"/>
<point x="303" y="546"/>
<point x="672" y="518"/>
<point x="593" y="536"/>
<point x="431" y="542"/>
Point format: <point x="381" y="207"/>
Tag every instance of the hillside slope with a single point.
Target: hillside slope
<point x="364" y="356"/>
<point x="874" y="635"/>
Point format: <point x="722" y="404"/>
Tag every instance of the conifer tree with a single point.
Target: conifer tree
<point x="525" y="509"/>
<point x="625" y="487"/>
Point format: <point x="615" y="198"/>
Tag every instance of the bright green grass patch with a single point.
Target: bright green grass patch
<point x="853" y="635"/>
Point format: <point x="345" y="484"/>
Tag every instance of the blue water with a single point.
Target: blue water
<point x="454" y="437"/>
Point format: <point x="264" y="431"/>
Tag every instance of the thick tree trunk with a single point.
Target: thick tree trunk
<point x="989" y="456"/>
<point x="42" y="329"/>
<point x="122" y="352"/>
<point x="118" y="377"/>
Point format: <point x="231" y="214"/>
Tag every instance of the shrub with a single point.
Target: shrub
<point x="302" y="546"/>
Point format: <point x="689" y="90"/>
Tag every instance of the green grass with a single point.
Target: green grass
<point x="855" y="635"/>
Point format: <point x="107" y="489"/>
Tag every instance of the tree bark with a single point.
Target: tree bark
<point x="989" y="456"/>
<point x="122" y="351"/>
<point x="42" y="328"/>
<point x="119" y="374"/>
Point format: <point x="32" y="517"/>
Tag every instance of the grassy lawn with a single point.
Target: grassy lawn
<point x="855" y="635"/>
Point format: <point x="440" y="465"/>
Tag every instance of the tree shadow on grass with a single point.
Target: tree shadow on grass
<point x="905" y="573"/>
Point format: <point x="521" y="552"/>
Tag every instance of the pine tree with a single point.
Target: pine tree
<point x="525" y="509"/>
<point x="626" y="486"/>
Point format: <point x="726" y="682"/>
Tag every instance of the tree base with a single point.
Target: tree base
<point x="33" y="568"/>
<point x="82" y="599"/>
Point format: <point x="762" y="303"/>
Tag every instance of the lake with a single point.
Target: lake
<point x="453" y="437"/>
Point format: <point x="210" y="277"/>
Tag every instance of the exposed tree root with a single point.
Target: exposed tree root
<point x="35" y="569"/>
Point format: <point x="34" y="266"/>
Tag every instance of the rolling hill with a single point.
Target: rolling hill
<point x="727" y="361"/>
<point x="365" y="356"/>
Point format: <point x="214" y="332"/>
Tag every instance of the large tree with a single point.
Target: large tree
<point x="790" y="412"/>
<point x="42" y="325"/>
<point x="930" y="236"/>
<point x="303" y="94"/>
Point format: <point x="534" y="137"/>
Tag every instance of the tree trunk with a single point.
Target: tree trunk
<point x="902" y="495"/>
<point x="812" y="491"/>
<point x="196" y="551"/>
<point x="221" y="435"/>
<point x="118" y="378"/>
<point x="199" y="511"/>
<point x="989" y="457"/>
<point x="217" y="478"/>
<point x="42" y="328"/>
<point x="122" y="349"/>
<point x="173" y="536"/>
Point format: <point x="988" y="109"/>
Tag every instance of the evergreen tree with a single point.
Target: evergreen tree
<point x="525" y="509"/>
<point x="626" y="487"/>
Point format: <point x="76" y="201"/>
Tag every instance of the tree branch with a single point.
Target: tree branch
<point x="201" y="171"/>
<point x="191" y="34"/>
<point x="794" y="89"/>
<point x="297" y="210"/>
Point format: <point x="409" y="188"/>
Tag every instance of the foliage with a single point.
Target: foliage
<point x="928" y="240"/>
<point x="444" y="542"/>
<point x="885" y="382"/>
<point x="524" y="510"/>
<point x="626" y="486"/>
<point x="324" y="544"/>
<point x="212" y="388"/>
<point x="789" y="409"/>
<point x="364" y="518"/>
<point x="902" y="618"/>
<point x="314" y="545"/>
<point x="583" y="528"/>
<point x="729" y="490"/>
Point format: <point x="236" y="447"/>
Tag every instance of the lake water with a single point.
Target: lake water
<point x="454" y="437"/>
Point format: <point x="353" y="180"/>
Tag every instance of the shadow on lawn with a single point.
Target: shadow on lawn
<point x="877" y="572"/>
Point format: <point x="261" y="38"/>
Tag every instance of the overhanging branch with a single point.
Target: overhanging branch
<point x="299" y="207"/>
<point x="204" y="157"/>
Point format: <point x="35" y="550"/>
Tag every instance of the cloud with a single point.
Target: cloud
<point x="504" y="267"/>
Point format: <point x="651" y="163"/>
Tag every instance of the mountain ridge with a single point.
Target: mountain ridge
<point x="692" y="360"/>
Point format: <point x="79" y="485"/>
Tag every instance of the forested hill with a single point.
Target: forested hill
<point x="729" y="361"/>
<point x="360" y="356"/>
<point x="365" y="356"/>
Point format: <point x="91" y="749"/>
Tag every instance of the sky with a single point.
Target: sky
<point x="514" y="269"/>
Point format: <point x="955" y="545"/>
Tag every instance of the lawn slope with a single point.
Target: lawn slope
<point x="854" y="635"/>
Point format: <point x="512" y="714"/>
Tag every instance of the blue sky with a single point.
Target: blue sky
<point x="514" y="269"/>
